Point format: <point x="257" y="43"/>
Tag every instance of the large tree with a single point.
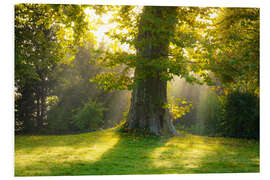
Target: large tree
<point x="160" y="36"/>
<point x="150" y="92"/>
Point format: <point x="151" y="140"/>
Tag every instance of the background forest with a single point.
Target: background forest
<point x="57" y="53"/>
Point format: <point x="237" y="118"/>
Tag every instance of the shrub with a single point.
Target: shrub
<point x="90" y="117"/>
<point x="241" y="115"/>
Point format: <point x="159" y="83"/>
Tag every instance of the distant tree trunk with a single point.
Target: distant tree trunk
<point x="38" y="117"/>
<point x="43" y="108"/>
<point x="26" y="109"/>
<point x="149" y="96"/>
<point x="41" y="94"/>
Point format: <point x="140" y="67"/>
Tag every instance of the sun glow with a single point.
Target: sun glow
<point x="102" y="25"/>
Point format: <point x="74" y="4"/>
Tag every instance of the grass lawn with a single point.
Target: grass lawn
<point x="109" y="152"/>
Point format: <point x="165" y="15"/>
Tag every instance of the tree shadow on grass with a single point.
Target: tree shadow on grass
<point x="129" y="155"/>
<point x="155" y="155"/>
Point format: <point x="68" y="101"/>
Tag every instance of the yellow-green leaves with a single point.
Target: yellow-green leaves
<point x="235" y="47"/>
<point x="113" y="81"/>
<point x="178" y="107"/>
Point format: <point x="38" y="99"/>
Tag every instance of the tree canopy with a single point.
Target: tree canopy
<point x="223" y="41"/>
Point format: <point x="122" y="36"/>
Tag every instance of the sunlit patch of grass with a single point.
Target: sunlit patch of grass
<point x="109" y="152"/>
<point x="198" y="154"/>
<point x="37" y="154"/>
<point x="182" y="152"/>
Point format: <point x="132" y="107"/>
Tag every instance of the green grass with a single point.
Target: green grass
<point x="109" y="152"/>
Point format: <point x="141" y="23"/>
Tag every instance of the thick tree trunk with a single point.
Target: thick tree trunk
<point x="149" y="96"/>
<point x="147" y="108"/>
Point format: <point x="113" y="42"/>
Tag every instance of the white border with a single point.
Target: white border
<point x="204" y="3"/>
<point x="7" y="81"/>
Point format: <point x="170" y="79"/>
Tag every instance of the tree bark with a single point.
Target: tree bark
<point x="149" y="96"/>
<point x="38" y="117"/>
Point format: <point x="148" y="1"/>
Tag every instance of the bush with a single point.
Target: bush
<point x="241" y="115"/>
<point x="90" y="117"/>
<point x="63" y="118"/>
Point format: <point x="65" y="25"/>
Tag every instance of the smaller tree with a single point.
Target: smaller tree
<point x="43" y="37"/>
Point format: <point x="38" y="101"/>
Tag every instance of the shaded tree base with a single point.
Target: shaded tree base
<point x="166" y="131"/>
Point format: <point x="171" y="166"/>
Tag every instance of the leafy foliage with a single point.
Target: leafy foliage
<point x="72" y="91"/>
<point x="233" y="115"/>
<point x="113" y="81"/>
<point x="178" y="107"/>
<point x="90" y="116"/>
<point x="232" y="48"/>
<point x="176" y="62"/>
<point x="44" y="36"/>
<point x="241" y="115"/>
<point x="204" y="40"/>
